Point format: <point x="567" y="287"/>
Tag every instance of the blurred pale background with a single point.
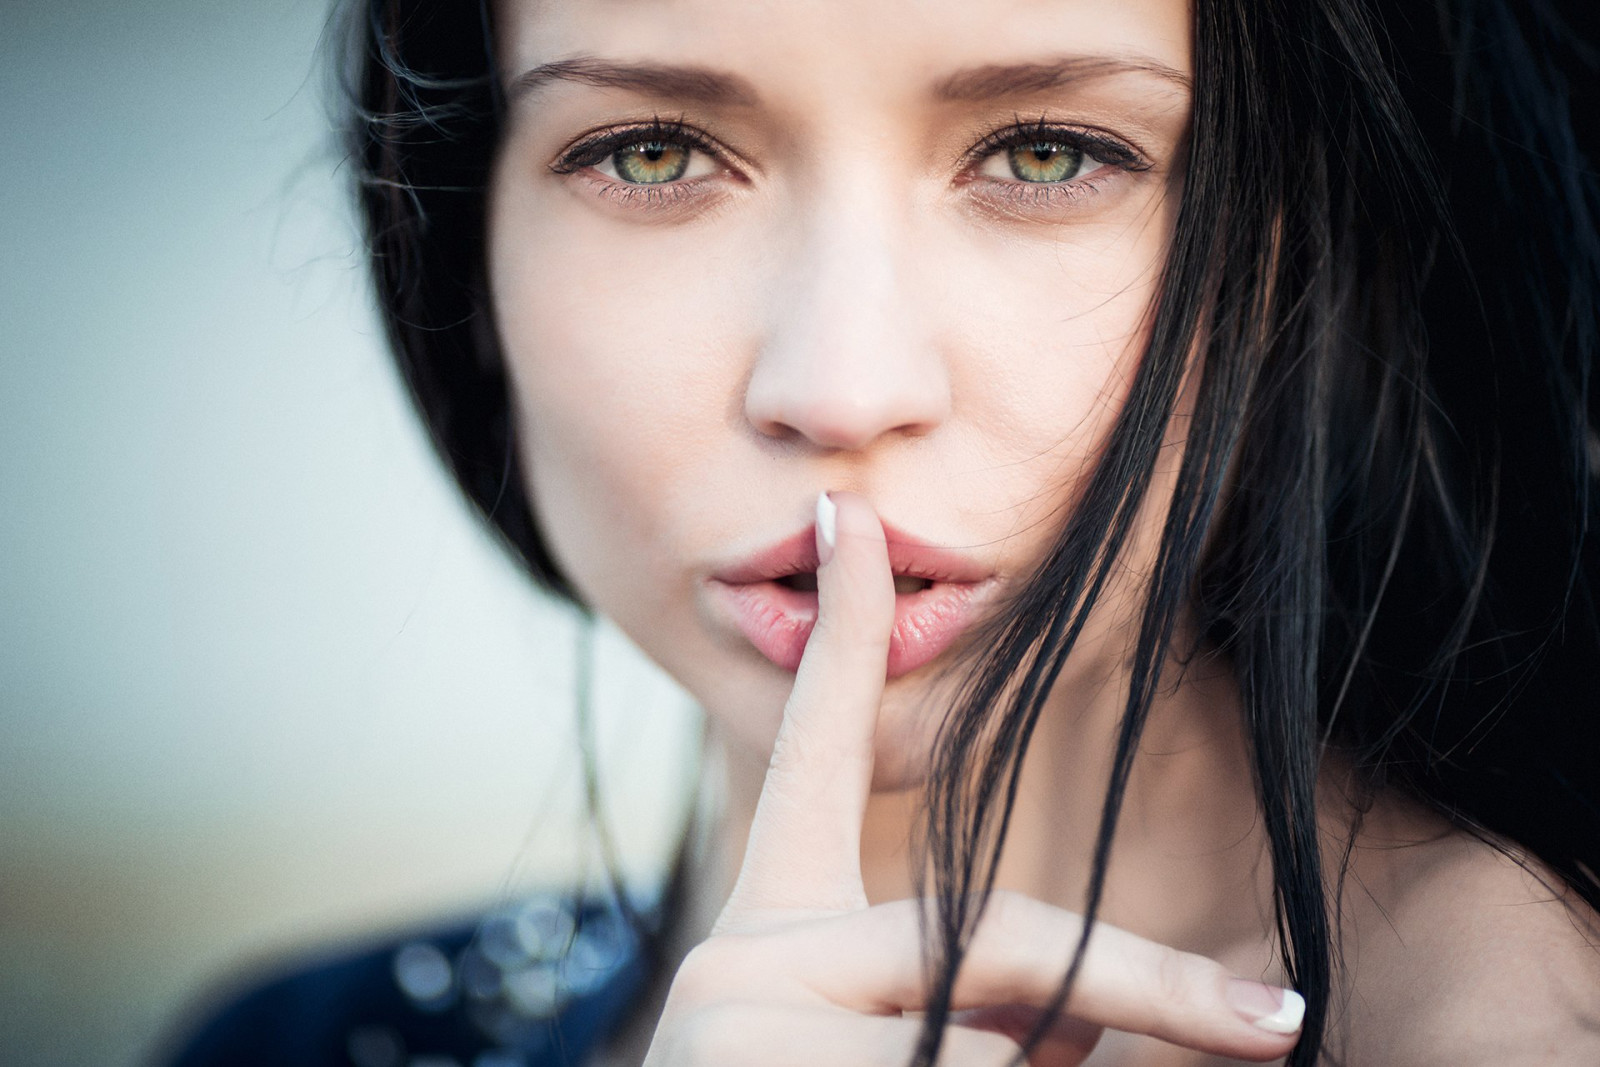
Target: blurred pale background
<point x="262" y="681"/>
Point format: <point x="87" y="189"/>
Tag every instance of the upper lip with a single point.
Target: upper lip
<point x="908" y="557"/>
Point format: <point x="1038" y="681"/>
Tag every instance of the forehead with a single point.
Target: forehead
<point x="885" y="46"/>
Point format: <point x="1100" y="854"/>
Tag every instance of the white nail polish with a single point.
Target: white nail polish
<point x="827" y="520"/>
<point x="1286" y="1020"/>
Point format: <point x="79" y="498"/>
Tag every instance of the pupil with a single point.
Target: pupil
<point x="654" y="151"/>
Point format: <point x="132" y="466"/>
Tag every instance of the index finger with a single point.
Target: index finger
<point x="804" y="850"/>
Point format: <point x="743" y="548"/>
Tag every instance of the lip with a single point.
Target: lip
<point x="778" y="619"/>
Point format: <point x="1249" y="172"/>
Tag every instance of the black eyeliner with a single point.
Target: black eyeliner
<point x="1100" y="147"/>
<point x="593" y="149"/>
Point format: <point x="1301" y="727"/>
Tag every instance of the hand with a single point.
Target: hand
<point x="800" y="970"/>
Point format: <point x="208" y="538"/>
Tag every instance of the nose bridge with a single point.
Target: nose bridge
<point x="847" y="356"/>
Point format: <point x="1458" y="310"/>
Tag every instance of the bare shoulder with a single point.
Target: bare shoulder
<point x="1458" y="952"/>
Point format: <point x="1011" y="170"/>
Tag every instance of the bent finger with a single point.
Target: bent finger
<point x="872" y="961"/>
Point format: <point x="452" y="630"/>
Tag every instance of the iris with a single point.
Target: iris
<point x="651" y="162"/>
<point x="1044" y="161"/>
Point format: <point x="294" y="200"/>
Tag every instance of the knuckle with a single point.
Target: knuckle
<point x="802" y="743"/>
<point x="1025" y="954"/>
<point x="1171" y="978"/>
<point x="1183" y="982"/>
<point x="789" y="749"/>
<point x="811" y="764"/>
<point x="796" y="753"/>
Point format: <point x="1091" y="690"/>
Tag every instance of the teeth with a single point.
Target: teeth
<point x="904" y="583"/>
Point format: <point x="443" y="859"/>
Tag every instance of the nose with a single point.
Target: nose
<point x="848" y="356"/>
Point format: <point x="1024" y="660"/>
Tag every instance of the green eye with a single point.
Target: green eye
<point x="1044" y="161"/>
<point x="651" y="162"/>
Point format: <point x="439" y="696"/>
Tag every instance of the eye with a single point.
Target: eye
<point x="659" y="153"/>
<point x="1044" y="159"/>
<point x="655" y="162"/>
<point x="1041" y="161"/>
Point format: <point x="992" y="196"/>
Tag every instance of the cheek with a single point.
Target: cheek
<point x="620" y="388"/>
<point x="1046" y="340"/>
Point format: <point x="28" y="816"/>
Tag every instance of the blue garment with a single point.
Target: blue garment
<point x="537" y="985"/>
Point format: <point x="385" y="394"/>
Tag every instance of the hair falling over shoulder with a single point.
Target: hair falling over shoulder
<point x="1384" y="273"/>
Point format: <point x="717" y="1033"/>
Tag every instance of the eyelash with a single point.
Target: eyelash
<point x="602" y="145"/>
<point x="1112" y="153"/>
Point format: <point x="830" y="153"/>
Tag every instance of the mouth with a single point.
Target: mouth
<point x="771" y="597"/>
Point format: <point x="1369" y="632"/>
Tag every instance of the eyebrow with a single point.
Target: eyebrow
<point x="706" y="86"/>
<point x="698" y="84"/>
<point x="989" y="82"/>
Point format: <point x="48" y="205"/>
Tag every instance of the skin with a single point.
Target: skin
<point x="840" y="294"/>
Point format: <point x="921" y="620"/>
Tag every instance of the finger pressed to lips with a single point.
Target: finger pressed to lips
<point x="804" y="850"/>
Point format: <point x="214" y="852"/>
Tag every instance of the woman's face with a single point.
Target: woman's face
<point x="743" y="251"/>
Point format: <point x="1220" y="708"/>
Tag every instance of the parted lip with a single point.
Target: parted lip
<point x="909" y="557"/>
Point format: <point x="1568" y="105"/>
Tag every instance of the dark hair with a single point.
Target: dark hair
<point x="1387" y="258"/>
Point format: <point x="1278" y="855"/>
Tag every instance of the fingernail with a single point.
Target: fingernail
<point x="1277" y="1011"/>
<point x="827" y="527"/>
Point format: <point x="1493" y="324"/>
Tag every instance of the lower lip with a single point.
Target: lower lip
<point x="778" y="620"/>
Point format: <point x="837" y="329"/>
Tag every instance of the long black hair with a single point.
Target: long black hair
<point x="1383" y="272"/>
